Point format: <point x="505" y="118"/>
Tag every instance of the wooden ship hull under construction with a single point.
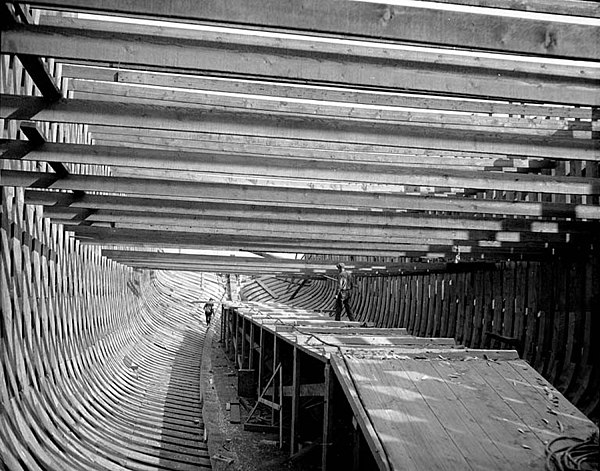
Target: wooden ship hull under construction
<point x="158" y="155"/>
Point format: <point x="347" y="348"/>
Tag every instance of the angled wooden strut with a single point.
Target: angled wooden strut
<point x="36" y="140"/>
<point x="33" y="64"/>
<point x="272" y="404"/>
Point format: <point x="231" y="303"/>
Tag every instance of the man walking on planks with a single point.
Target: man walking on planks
<point x="209" y="310"/>
<point x="342" y="298"/>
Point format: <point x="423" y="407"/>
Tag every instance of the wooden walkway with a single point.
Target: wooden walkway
<point x="420" y="403"/>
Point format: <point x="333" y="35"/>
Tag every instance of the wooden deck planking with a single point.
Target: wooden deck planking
<point x="401" y="419"/>
<point x="482" y="409"/>
<point x="498" y="422"/>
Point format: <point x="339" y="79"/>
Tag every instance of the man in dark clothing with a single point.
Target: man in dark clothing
<point x="209" y="310"/>
<point x="342" y="298"/>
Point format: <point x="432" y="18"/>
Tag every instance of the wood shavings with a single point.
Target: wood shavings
<point x="527" y="447"/>
<point x="520" y="430"/>
<point x="560" y="426"/>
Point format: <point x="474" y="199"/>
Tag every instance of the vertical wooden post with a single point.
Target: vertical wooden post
<point x="356" y="448"/>
<point x="281" y="407"/>
<point x="222" y="332"/>
<point x="261" y="358"/>
<point x="275" y="361"/>
<point x="242" y="363"/>
<point x="236" y="339"/>
<point x="251" y="347"/>
<point x="226" y="321"/>
<point x="295" y="400"/>
<point x="327" y="415"/>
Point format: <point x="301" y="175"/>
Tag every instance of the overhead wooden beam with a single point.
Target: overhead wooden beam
<point x="581" y="8"/>
<point x="295" y="196"/>
<point x="310" y="230"/>
<point x="122" y="207"/>
<point x="388" y="252"/>
<point x="268" y="145"/>
<point x="307" y="265"/>
<point x="127" y="256"/>
<point x="338" y="166"/>
<point x="402" y="240"/>
<point x="276" y="248"/>
<point x="302" y="44"/>
<point x="303" y="179"/>
<point x="301" y="61"/>
<point x="272" y="125"/>
<point x="248" y="242"/>
<point x="376" y="154"/>
<point x="106" y="91"/>
<point x="397" y="23"/>
<point x="415" y="205"/>
<point x="237" y="169"/>
<point x="331" y="94"/>
<point x="423" y="158"/>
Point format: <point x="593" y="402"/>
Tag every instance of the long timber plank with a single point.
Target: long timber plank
<point x="274" y="190"/>
<point x="246" y="56"/>
<point x="468" y="28"/>
<point x="405" y="202"/>
<point x="321" y="128"/>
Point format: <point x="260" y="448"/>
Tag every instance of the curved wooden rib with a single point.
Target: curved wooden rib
<point x="100" y="364"/>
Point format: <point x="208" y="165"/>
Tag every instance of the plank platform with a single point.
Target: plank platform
<point x="476" y="409"/>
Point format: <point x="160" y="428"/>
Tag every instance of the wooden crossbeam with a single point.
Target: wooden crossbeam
<point x="122" y="209"/>
<point x="302" y="243"/>
<point x="322" y="167"/>
<point x="566" y="7"/>
<point x="274" y="126"/>
<point x="269" y="145"/>
<point x="276" y="247"/>
<point x="130" y="256"/>
<point x="239" y="187"/>
<point x="151" y="240"/>
<point x="322" y="93"/>
<point x="106" y="91"/>
<point x="329" y="94"/>
<point x="282" y="226"/>
<point x="237" y="169"/>
<point x="306" y="230"/>
<point x="262" y="57"/>
<point x="412" y="23"/>
<point x="307" y="274"/>
<point x="285" y="197"/>
<point x="238" y="267"/>
<point x="403" y="156"/>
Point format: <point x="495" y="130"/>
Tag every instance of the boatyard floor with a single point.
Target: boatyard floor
<point x="230" y="446"/>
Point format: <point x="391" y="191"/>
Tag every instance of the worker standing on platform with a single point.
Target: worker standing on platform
<point x="209" y="310"/>
<point x="342" y="298"/>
